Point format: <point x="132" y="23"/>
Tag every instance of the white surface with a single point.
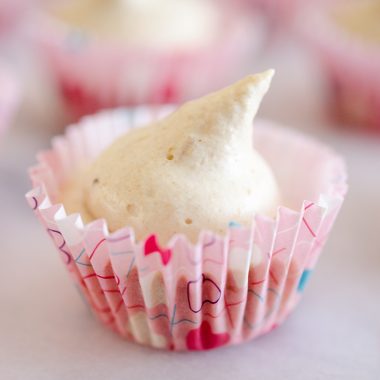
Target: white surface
<point x="46" y="332"/>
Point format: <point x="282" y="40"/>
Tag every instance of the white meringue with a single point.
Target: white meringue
<point x="153" y="23"/>
<point x="195" y="169"/>
<point x="361" y="19"/>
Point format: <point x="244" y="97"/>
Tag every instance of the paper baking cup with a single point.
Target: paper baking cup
<point x="351" y="65"/>
<point x="224" y="289"/>
<point x="94" y="74"/>
<point x="11" y="12"/>
<point x="9" y="98"/>
<point x="280" y="13"/>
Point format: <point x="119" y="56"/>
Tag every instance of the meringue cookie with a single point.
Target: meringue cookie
<point x="154" y="23"/>
<point x="195" y="169"/>
<point x="361" y="19"/>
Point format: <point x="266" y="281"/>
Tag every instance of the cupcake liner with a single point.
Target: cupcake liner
<point x="9" y="98"/>
<point x="93" y="74"/>
<point x="351" y="66"/>
<point x="10" y="11"/>
<point x="279" y="12"/>
<point x="224" y="289"/>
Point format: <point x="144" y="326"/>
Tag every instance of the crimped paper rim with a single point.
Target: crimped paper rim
<point x="335" y="193"/>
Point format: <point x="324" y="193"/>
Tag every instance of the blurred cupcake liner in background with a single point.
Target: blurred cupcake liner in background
<point x="223" y="290"/>
<point x="11" y="12"/>
<point x="280" y="13"/>
<point x="94" y="73"/>
<point x="351" y="61"/>
<point x="9" y="97"/>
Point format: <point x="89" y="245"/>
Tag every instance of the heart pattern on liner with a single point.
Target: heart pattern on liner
<point x="210" y="292"/>
<point x="203" y="338"/>
<point x="151" y="246"/>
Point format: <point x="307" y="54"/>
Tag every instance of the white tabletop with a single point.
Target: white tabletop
<point x="46" y="332"/>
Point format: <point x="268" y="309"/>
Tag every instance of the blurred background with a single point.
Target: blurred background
<point x="61" y="60"/>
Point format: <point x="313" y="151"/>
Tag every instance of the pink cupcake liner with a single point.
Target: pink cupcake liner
<point x="93" y="74"/>
<point x="351" y="65"/>
<point x="11" y="11"/>
<point x="9" y="98"/>
<point x="224" y="289"/>
<point x="280" y="13"/>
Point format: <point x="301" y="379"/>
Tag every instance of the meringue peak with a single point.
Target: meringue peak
<point x="225" y="112"/>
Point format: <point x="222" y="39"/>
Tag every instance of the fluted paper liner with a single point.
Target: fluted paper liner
<point x="80" y="64"/>
<point x="222" y="290"/>
<point x="351" y="64"/>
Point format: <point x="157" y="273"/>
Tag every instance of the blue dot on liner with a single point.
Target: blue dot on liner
<point x="303" y="280"/>
<point x="233" y="224"/>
